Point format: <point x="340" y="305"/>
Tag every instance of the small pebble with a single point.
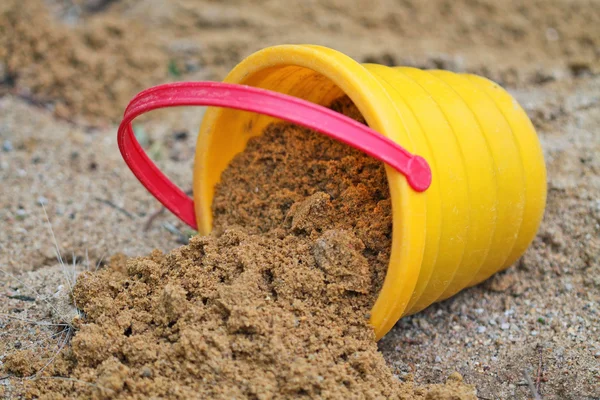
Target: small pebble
<point x="534" y="333"/>
<point x="552" y="35"/>
<point x="481" y="329"/>
<point x="181" y="135"/>
<point x="505" y="326"/>
<point x="438" y="359"/>
<point x="146" y="372"/>
<point x="7" y="146"/>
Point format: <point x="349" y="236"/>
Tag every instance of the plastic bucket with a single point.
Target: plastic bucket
<point x="488" y="192"/>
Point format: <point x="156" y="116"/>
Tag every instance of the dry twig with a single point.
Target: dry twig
<point x="116" y="207"/>
<point x="152" y="218"/>
<point x="540" y="371"/>
<point x="532" y="389"/>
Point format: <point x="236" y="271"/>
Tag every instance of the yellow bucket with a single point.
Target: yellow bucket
<point x="488" y="192"/>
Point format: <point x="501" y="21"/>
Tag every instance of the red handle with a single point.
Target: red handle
<point x="247" y="98"/>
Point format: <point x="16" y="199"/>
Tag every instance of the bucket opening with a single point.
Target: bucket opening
<point x="240" y="126"/>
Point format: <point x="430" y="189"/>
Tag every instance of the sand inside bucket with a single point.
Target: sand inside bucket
<point x="273" y="304"/>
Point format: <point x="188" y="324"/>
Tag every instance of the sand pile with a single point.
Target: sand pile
<point x="273" y="304"/>
<point x="89" y="70"/>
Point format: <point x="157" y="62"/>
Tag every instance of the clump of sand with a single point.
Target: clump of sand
<point x="274" y="304"/>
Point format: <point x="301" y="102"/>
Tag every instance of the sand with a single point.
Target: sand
<point x="538" y="319"/>
<point x="83" y="73"/>
<point x="274" y="304"/>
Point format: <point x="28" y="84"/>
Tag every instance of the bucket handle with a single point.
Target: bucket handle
<point x="247" y="98"/>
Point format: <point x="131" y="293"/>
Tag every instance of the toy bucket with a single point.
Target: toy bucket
<point x="479" y="212"/>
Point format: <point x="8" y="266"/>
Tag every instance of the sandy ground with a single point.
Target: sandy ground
<point x="539" y="321"/>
